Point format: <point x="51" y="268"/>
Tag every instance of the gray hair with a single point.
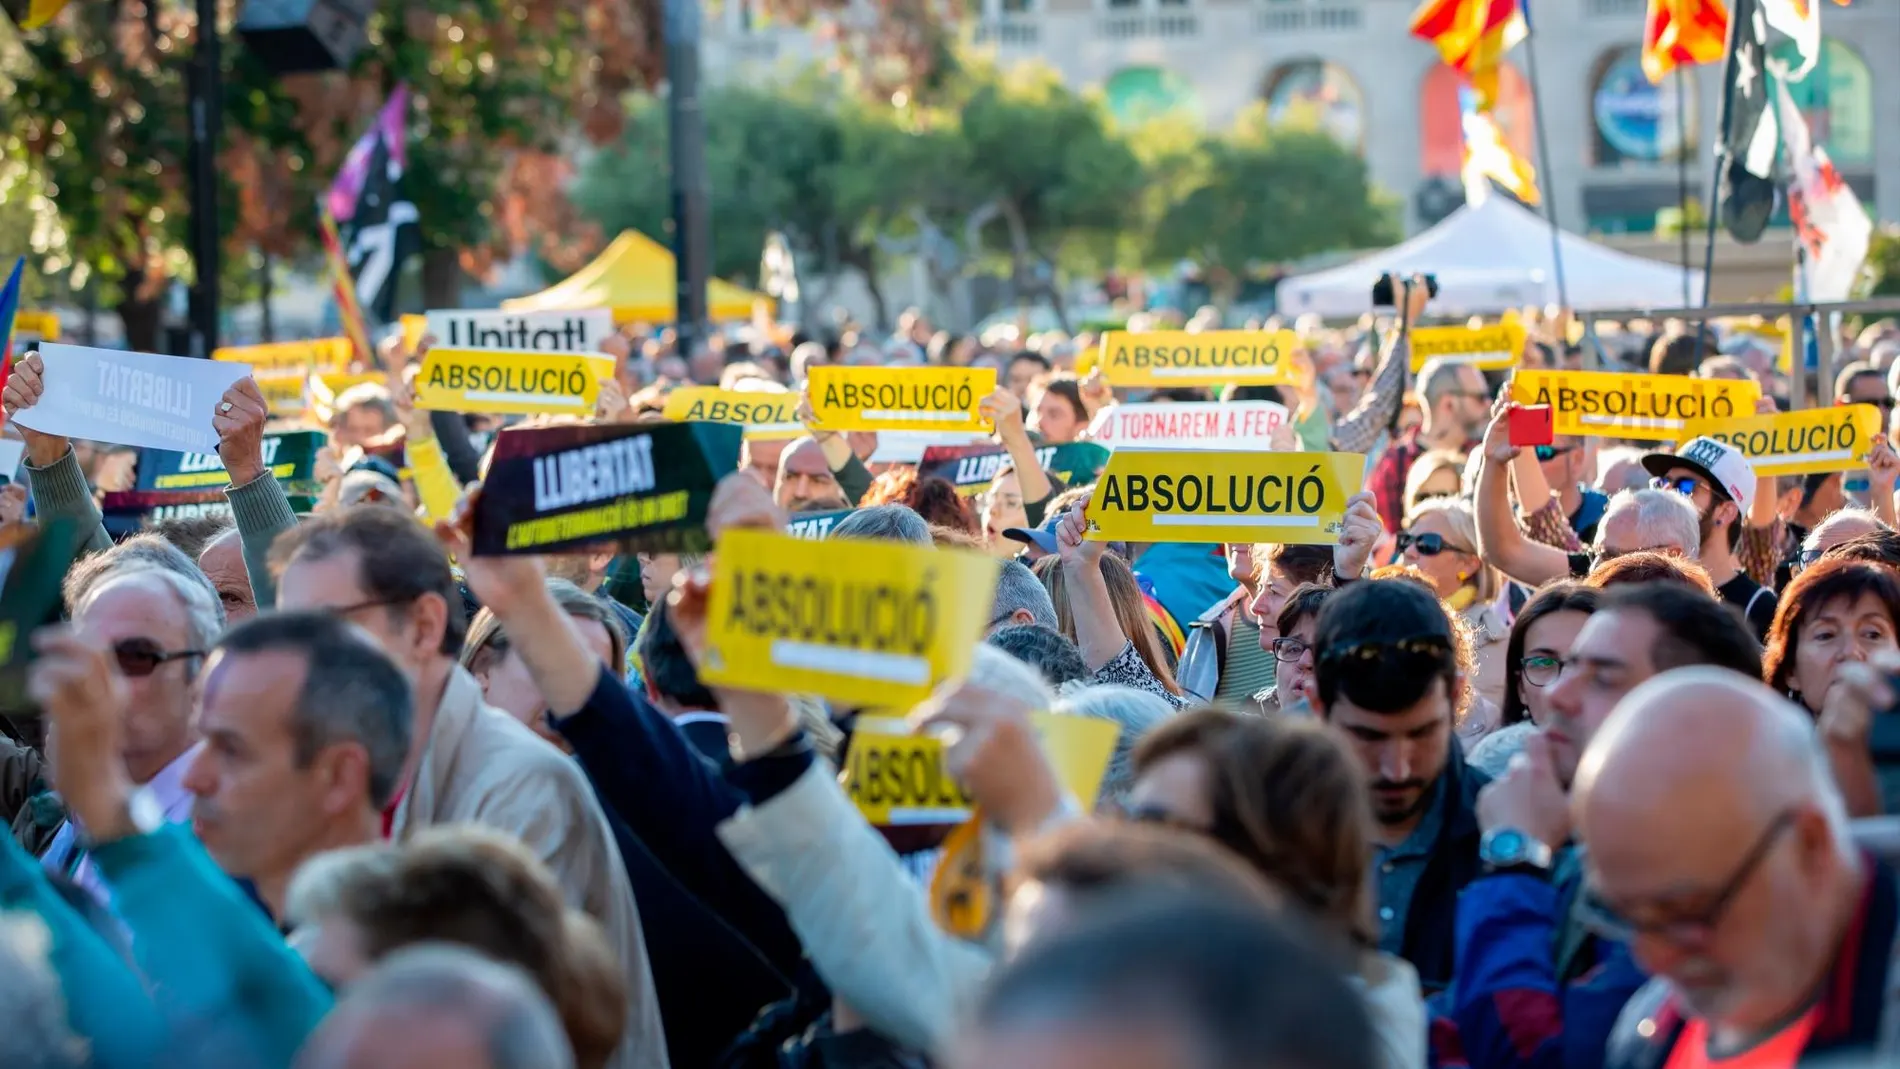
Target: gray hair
<point x="352" y="692"/>
<point x="1828" y="533"/>
<point x="518" y="1024"/>
<point x="204" y="613"/>
<point x="366" y="395"/>
<point x="992" y="669"/>
<point x="1630" y="456"/>
<point x="1437" y="378"/>
<point x="146" y="550"/>
<point x="33" y="1029"/>
<point x="1017" y="588"/>
<point x="1663" y="518"/>
<point x="889" y="523"/>
<point x="1133" y="712"/>
<point x="316" y="890"/>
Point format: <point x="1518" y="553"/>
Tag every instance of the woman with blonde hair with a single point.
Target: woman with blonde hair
<point x="1440" y="539"/>
<point x="1437" y="473"/>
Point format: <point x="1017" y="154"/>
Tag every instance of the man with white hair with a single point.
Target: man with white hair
<point x="1730" y="867"/>
<point x="1636" y="520"/>
<point x="159" y="627"/>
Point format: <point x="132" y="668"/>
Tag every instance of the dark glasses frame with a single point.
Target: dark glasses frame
<point x="1429" y="544"/>
<point x="1599" y="916"/>
<point x="140" y="657"/>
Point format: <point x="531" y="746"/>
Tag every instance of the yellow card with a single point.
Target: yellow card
<point x="1200" y="495"/>
<point x="1494" y="345"/>
<point x="1627" y="405"/>
<point x="483" y="380"/>
<point x="900" y="398"/>
<point x="764" y="415"/>
<point x="860" y="622"/>
<point x="898" y="779"/>
<point x="413" y="328"/>
<point x="1210" y="358"/>
<point x="31" y="325"/>
<point x="1798" y="443"/>
<point x="322" y="354"/>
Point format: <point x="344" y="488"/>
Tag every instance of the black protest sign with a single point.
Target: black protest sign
<point x="815" y="525"/>
<point x="291" y="458"/>
<point x="33" y="560"/>
<point x="129" y="511"/>
<point x="970" y="468"/>
<point x="645" y="486"/>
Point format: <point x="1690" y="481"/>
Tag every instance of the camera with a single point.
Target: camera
<point x="1383" y="291"/>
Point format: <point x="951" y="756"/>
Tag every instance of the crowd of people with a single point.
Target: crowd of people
<point x="1567" y="756"/>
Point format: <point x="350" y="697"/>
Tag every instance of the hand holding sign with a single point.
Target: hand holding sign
<point x="24" y="386"/>
<point x="1072" y="535"/>
<point x="1096" y="392"/>
<point x="760" y="720"/>
<point x="992" y="750"/>
<point x="1360" y="530"/>
<point x="1003" y="407"/>
<point x="239" y="420"/>
<point x="501" y="582"/>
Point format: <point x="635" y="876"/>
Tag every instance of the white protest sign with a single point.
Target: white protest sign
<point x="154" y="402"/>
<point x="1233" y="425"/>
<point x="543" y="332"/>
<point x="907" y="447"/>
<point x="11" y="450"/>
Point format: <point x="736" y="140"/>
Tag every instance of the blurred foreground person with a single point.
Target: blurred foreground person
<point x="1165" y="980"/>
<point x="1730" y="867"/>
<point x="438" y="1005"/>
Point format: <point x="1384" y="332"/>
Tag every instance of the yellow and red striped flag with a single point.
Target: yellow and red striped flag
<point x="1678" y="32"/>
<point x="347" y="306"/>
<point x="1472" y="36"/>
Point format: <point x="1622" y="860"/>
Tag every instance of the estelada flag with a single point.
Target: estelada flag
<point x="1489" y="158"/>
<point x="9" y="308"/>
<point x="1472" y="36"/>
<point x="1678" y="32"/>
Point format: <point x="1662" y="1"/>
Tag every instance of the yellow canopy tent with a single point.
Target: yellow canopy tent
<point x="635" y="277"/>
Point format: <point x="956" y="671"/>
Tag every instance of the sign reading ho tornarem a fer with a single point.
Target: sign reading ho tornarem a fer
<point x="139" y="399"/>
<point x="563" y="488"/>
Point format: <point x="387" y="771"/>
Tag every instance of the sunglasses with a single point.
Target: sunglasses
<point x="140" y="657"/>
<point x="1548" y="453"/>
<point x="1428" y="545"/>
<point x="1681" y="484"/>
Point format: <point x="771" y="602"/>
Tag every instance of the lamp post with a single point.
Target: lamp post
<point x="686" y="125"/>
<point x="204" y="93"/>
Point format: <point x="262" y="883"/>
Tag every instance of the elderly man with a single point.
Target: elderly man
<point x="222" y="561"/>
<point x="806" y="481"/>
<point x="158" y="627"/>
<point x="306" y="726"/>
<point x="469" y="762"/>
<point x="1730" y="867"/>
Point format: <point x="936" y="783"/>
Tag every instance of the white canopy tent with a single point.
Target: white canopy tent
<point x="1488" y="257"/>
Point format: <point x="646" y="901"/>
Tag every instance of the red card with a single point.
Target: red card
<point x="1532" y="425"/>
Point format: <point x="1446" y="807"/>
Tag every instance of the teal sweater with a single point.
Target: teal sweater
<point x="223" y="986"/>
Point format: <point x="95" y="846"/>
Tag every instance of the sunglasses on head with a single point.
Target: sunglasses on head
<point x="140" y="657"/>
<point x="1429" y="545"/>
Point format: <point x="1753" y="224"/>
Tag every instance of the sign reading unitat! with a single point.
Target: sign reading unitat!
<point x="542" y="332"/>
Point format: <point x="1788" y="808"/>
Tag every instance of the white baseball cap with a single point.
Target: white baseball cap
<point x="1722" y="465"/>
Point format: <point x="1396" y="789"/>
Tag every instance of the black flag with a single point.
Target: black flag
<point x="378" y="225"/>
<point x="1750" y="135"/>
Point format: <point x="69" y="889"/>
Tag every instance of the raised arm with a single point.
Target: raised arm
<point x="1499" y="539"/>
<point x="58" y="483"/>
<point x="1360" y="429"/>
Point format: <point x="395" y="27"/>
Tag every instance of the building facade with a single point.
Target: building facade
<point x="1616" y="143"/>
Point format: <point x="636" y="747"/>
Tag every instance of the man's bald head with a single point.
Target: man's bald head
<point x="1714" y="831"/>
<point x="223" y="563"/>
<point x="804" y="475"/>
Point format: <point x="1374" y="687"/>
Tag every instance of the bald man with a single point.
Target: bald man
<point x="805" y="478"/>
<point x="1730" y="866"/>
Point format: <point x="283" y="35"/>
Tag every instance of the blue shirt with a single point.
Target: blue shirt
<point x="1402" y="866"/>
<point x="1187" y="579"/>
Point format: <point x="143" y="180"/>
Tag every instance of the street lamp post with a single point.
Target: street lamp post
<point x="686" y="124"/>
<point x="204" y="92"/>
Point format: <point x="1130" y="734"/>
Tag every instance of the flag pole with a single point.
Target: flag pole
<point x="1543" y="158"/>
<point x="1683" y="151"/>
<point x="1719" y="160"/>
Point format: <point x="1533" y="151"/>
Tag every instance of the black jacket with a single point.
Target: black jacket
<point x="1431" y="925"/>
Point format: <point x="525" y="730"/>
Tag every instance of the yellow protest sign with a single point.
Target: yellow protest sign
<point x="899" y="779"/>
<point x="1798" y="443"/>
<point x="486" y="380"/>
<point x="1199" y="495"/>
<point x="413" y="328"/>
<point x="900" y="398"/>
<point x="1209" y="358"/>
<point x="860" y="622"/>
<point x="1495" y="345"/>
<point x="35" y="326"/>
<point x="322" y="354"/>
<point x="764" y="415"/>
<point x="1621" y="405"/>
<point x="290" y="393"/>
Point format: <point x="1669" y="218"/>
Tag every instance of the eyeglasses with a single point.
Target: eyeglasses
<point x="1806" y="558"/>
<point x="1548" y="453"/>
<point x="1429" y="545"/>
<point x="1606" y="921"/>
<point x="1541" y="671"/>
<point x="1291" y="650"/>
<point x="140" y="657"/>
<point x="1681" y="484"/>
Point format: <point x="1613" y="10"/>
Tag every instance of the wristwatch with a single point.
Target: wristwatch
<point x="1509" y="849"/>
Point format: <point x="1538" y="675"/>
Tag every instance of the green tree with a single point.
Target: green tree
<point x="1270" y="193"/>
<point x="1883" y="262"/>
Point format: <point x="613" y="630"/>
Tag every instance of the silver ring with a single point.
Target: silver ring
<point x="224" y="407"/>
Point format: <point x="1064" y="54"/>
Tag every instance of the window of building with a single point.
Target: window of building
<point x="1315" y="90"/>
<point x="1637" y="124"/>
